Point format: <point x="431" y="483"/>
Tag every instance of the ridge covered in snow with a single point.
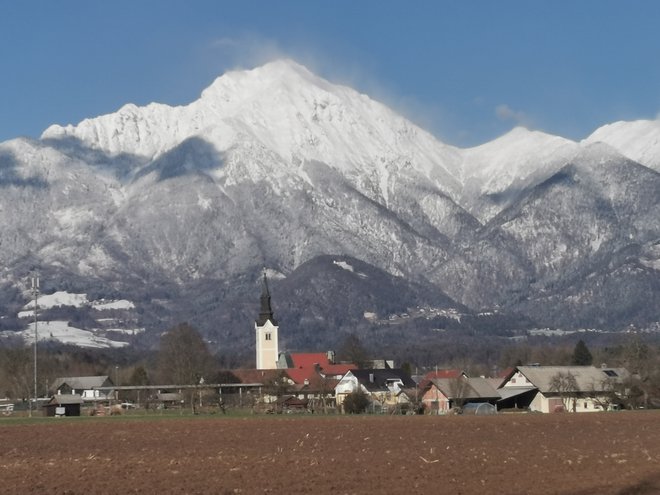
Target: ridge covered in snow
<point x="638" y="140"/>
<point x="285" y="109"/>
<point x="291" y="116"/>
<point x="276" y="167"/>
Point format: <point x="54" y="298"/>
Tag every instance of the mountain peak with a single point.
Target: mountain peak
<point x="520" y="156"/>
<point x="283" y="108"/>
<point x="281" y="73"/>
<point x="639" y="140"/>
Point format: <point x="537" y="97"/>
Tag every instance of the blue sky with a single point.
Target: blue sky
<point x="468" y="71"/>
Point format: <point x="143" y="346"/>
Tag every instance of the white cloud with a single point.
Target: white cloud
<point x="506" y="113"/>
<point x="245" y="51"/>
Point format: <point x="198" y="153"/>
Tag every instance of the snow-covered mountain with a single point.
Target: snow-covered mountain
<point x="638" y="140"/>
<point x="280" y="112"/>
<point x="179" y="208"/>
<point x="496" y="173"/>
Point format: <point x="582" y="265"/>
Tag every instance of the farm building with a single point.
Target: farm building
<point x="86" y="387"/>
<point x="63" y="405"/>
<point x="563" y="388"/>
<point x="440" y="395"/>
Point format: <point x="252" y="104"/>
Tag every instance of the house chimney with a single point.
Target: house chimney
<point x="331" y="357"/>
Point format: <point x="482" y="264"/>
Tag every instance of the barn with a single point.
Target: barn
<point x="63" y="405"/>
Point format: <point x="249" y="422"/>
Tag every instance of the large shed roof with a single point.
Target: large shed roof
<point x="82" y="382"/>
<point x="466" y="388"/>
<point x="587" y="378"/>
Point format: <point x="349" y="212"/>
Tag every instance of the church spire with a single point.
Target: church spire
<point x="266" y="311"/>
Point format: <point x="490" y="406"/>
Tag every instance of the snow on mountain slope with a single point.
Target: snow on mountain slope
<point x="274" y="167"/>
<point x="639" y="140"/>
<point x="51" y="203"/>
<point x="496" y="172"/>
<point x="289" y="111"/>
<point x="64" y="333"/>
<point x="599" y="203"/>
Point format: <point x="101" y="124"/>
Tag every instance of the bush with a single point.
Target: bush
<point x="356" y="402"/>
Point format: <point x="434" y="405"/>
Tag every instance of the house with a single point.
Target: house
<point x="439" y="373"/>
<point x="441" y="395"/>
<point x="314" y="376"/>
<point x="388" y="389"/>
<point x="563" y="388"/>
<point x="85" y="386"/>
<point x="63" y="405"/>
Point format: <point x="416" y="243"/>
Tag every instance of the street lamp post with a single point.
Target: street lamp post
<point x="35" y="293"/>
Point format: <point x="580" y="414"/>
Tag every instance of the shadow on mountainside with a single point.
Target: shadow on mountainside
<point x="194" y="155"/>
<point x="9" y="176"/>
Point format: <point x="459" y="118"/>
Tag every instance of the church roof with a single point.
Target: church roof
<point x="266" y="311"/>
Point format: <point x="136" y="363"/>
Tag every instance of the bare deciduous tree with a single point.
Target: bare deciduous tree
<point x="605" y="393"/>
<point x="566" y="385"/>
<point x="17" y="367"/>
<point x="183" y="358"/>
<point x="458" y="388"/>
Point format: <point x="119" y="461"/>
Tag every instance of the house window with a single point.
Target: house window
<point x="585" y="404"/>
<point x="267" y="336"/>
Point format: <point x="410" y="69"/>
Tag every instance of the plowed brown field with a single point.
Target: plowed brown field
<point x="600" y="453"/>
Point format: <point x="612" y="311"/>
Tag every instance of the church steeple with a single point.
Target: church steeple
<point x="267" y="346"/>
<point x="266" y="311"/>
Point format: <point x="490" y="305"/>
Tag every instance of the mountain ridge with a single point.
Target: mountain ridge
<point x="171" y="199"/>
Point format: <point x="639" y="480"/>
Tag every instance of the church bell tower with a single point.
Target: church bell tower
<point x="266" y="332"/>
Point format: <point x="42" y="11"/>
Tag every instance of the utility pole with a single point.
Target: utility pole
<point x="35" y="293"/>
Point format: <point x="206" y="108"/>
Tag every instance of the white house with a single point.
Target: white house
<point x="386" y="388"/>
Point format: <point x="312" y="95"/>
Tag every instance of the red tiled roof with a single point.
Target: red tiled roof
<point x="436" y="374"/>
<point x="300" y="375"/>
<point x="338" y="369"/>
<point x="308" y="361"/>
<point x="442" y="374"/>
<point x="505" y="372"/>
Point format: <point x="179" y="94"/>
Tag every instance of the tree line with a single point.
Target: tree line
<point x="183" y="357"/>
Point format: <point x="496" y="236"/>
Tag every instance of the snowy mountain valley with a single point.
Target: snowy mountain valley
<point x="365" y="222"/>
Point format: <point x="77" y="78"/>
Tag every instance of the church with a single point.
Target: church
<point x="312" y="378"/>
<point x="302" y="368"/>
<point x="266" y="328"/>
